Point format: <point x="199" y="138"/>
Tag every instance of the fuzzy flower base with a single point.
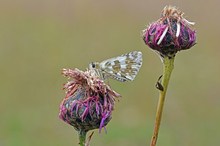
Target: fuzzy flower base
<point x="88" y="103"/>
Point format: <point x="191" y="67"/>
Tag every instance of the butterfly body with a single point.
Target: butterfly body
<point x="122" y="68"/>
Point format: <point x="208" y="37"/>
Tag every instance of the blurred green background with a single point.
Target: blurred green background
<point x="39" y="38"/>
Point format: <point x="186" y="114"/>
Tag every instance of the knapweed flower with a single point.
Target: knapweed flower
<point x="170" y="34"/>
<point x="88" y="103"/>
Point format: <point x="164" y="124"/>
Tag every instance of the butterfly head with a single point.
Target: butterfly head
<point x="94" y="65"/>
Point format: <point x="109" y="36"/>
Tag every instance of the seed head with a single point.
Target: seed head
<point x="171" y="33"/>
<point x="88" y="103"/>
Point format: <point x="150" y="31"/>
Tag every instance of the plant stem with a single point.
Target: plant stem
<point x="82" y="137"/>
<point x="167" y="70"/>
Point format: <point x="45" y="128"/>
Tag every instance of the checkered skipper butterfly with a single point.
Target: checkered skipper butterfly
<point x="122" y="68"/>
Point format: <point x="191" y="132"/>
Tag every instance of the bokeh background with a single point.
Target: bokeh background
<point x="39" y="38"/>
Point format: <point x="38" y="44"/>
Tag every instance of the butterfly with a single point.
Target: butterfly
<point x="122" y="68"/>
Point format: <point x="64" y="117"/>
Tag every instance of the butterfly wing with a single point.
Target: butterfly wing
<point x="122" y="68"/>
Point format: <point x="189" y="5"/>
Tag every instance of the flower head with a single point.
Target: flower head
<point x="170" y="34"/>
<point x="88" y="103"/>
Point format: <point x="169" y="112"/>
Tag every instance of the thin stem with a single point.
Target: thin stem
<point x="167" y="70"/>
<point x="82" y="137"/>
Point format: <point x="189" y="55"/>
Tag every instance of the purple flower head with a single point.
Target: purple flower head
<point x="170" y="34"/>
<point x="88" y="103"/>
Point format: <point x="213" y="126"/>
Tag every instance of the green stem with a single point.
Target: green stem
<point x="167" y="70"/>
<point x="82" y="137"/>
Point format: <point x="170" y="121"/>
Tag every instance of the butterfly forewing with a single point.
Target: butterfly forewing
<point x="122" y="68"/>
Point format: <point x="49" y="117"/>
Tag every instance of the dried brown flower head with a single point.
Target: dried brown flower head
<point x="88" y="103"/>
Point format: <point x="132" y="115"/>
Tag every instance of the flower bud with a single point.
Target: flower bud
<point x="170" y="34"/>
<point x="88" y="103"/>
